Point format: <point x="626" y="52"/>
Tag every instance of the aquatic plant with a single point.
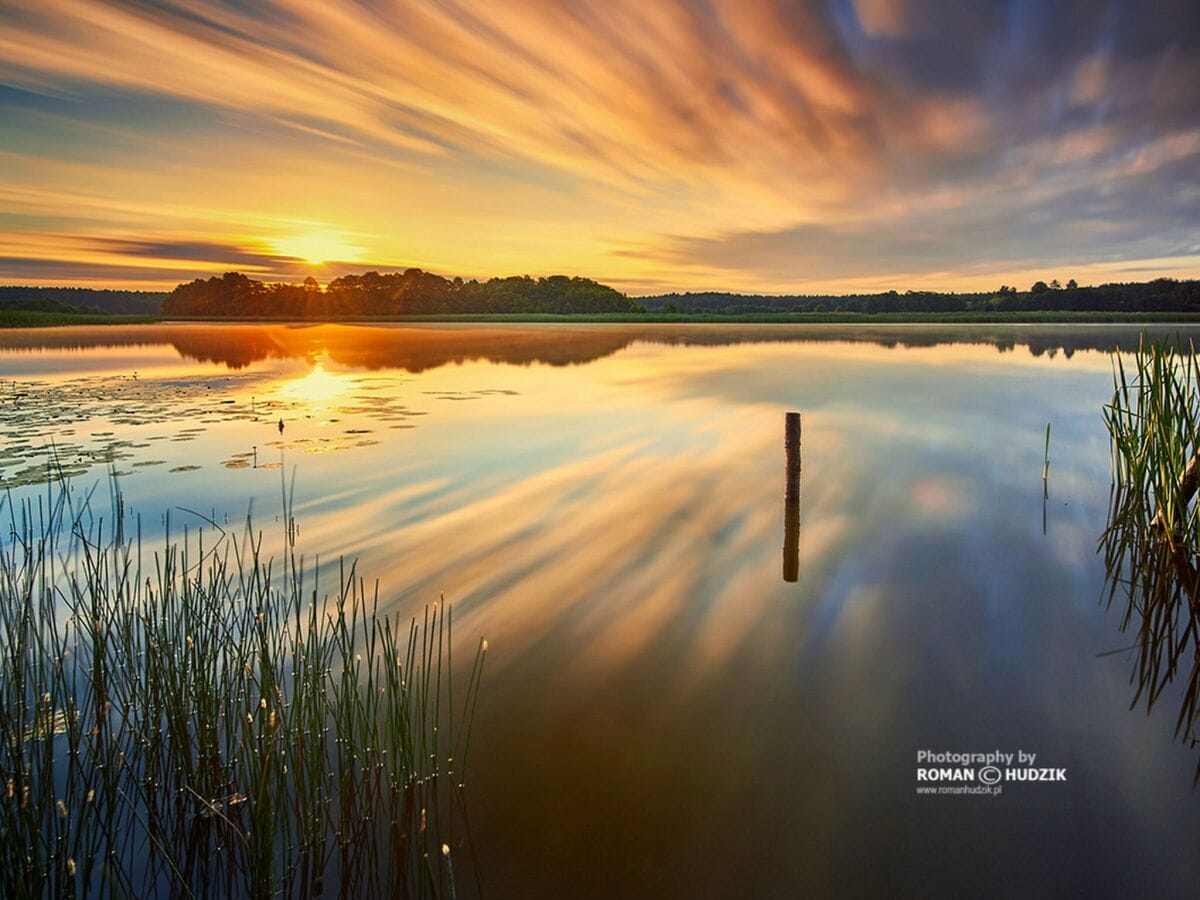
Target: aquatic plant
<point x="1046" y="458"/>
<point x="199" y="720"/>
<point x="1152" y="543"/>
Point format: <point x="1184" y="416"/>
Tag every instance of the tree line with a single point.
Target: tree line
<point x="76" y="300"/>
<point x="412" y="292"/>
<point x="1160" y="295"/>
<point x="415" y="292"/>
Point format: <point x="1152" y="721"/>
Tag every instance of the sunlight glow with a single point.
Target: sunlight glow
<point x="319" y="387"/>
<point x="318" y="247"/>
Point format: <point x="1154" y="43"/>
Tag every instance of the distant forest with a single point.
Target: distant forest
<point x="92" y="301"/>
<point x="1160" y="295"/>
<point x="414" y="292"/>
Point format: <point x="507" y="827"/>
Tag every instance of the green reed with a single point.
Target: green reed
<point x="1152" y="543"/>
<point x="1046" y="457"/>
<point x="198" y="720"/>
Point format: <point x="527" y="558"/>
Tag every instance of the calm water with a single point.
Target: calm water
<point x="664" y="714"/>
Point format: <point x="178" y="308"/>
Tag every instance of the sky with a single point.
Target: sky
<point x="771" y="146"/>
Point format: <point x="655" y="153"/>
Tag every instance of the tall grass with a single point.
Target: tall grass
<point x="1152" y="543"/>
<point x="199" y="720"/>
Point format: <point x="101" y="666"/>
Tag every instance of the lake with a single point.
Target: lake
<point x="664" y="713"/>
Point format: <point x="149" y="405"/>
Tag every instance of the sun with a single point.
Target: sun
<point x="317" y="247"/>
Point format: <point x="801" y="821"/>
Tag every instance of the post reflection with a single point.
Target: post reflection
<point x="791" y="541"/>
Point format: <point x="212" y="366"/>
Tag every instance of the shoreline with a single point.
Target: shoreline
<point x="15" y="319"/>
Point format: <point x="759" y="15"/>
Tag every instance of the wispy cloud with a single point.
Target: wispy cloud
<point x="198" y="251"/>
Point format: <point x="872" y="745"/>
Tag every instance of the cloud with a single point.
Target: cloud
<point x="25" y="269"/>
<point x="154" y="262"/>
<point x="763" y="93"/>
<point x="199" y="251"/>
<point x="701" y="119"/>
<point x="1136" y="211"/>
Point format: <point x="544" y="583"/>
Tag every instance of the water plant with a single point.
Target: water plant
<point x="200" y="720"/>
<point x="1046" y="479"/>
<point x="1152" y="543"/>
<point x="1046" y="458"/>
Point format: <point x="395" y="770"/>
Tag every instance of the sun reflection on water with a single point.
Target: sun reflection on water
<point x="320" y="387"/>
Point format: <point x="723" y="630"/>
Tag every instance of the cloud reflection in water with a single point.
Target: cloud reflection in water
<point x="658" y="696"/>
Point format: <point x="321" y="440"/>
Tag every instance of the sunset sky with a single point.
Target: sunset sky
<point x="752" y="145"/>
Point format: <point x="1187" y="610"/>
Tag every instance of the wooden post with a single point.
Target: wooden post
<point x="791" y="446"/>
<point x="791" y="512"/>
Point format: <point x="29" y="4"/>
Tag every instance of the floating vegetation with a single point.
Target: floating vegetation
<point x="39" y="419"/>
<point x="186" y="468"/>
<point x="471" y="395"/>
<point x="202" y="721"/>
<point x="1152" y="543"/>
<point x="451" y="395"/>
<point x="48" y="411"/>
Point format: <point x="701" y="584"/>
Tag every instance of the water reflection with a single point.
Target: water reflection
<point x="418" y="348"/>
<point x="791" y="540"/>
<point x="1161" y="588"/>
<point x="1150" y="544"/>
<point x="664" y="714"/>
